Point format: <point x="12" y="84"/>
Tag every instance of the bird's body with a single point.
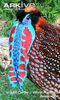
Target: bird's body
<point x="44" y="54"/>
<point x="44" y="66"/>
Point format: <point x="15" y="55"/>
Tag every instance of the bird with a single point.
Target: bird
<point x="42" y="51"/>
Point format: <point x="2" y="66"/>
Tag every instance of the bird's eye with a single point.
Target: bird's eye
<point x="28" y="18"/>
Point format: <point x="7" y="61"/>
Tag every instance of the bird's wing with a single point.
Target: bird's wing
<point x="50" y="44"/>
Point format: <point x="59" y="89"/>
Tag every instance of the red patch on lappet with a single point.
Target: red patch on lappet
<point x="12" y="32"/>
<point x="28" y="38"/>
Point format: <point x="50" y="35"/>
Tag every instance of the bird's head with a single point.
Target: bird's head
<point x="36" y="17"/>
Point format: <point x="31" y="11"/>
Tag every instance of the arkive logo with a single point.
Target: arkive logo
<point x="17" y="5"/>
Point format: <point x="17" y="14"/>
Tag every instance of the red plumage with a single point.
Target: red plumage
<point x="44" y="67"/>
<point x="44" y="56"/>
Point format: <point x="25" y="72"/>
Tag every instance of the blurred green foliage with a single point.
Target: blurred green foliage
<point x="49" y="8"/>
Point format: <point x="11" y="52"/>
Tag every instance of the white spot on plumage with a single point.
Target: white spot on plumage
<point x="32" y="56"/>
<point x="55" y="90"/>
<point x="52" y="82"/>
<point x="32" y="63"/>
<point x="41" y="69"/>
<point x="54" y="64"/>
<point x="36" y="69"/>
<point x="57" y="65"/>
<point x="37" y="65"/>
<point x="50" y="63"/>
<point x="55" y="55"/>
<point x="58" y="79"/>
